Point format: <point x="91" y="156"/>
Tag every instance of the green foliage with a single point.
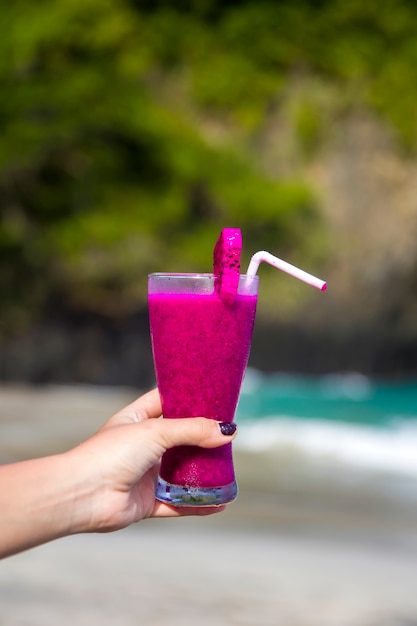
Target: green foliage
<point x="110" y="162"/>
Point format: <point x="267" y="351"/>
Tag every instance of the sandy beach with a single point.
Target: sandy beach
<point x="296" y="553"/>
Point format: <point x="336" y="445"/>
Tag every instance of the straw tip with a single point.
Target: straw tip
<point x="323" y="287"/>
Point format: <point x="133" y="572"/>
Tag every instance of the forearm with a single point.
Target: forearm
<point x="41" y="500"/>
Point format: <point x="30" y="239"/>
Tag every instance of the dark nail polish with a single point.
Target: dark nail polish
<point x="227" y="428"/>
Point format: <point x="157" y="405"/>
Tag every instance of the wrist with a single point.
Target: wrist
<point x="93" y="505"/>
<point x="63" y="503"/>
<point x="83" y="496"/>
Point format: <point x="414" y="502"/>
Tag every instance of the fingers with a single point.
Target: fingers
<point x="148" y="406"/>
<point x="165" y="510"/>
<point x="168" y="433"/>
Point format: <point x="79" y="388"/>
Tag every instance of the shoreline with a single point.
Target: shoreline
<point x="298" y="547"/>
<point x="42" y="420"/>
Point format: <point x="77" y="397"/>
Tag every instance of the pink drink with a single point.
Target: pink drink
<point x="201" y="348"/>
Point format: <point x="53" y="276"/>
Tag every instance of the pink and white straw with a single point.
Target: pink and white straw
<point x="266" y="257"/>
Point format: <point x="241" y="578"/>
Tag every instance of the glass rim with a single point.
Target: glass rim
<point x="188" y="275"/>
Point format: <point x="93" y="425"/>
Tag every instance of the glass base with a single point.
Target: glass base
<point x="178" y="495"/>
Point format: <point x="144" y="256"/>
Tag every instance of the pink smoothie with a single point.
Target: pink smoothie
<point x="201" y="349"/>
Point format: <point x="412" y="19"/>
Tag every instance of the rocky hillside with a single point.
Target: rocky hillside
<point x="127" y="152"/>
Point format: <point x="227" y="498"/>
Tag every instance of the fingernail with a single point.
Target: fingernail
<point x="227" y="428"/>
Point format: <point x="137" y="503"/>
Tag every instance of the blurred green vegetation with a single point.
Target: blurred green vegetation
<point x="130" y="133"/>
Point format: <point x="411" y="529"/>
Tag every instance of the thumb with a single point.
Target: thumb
<point x="195" y="431"/>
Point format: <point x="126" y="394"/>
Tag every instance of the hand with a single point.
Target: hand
<point x="122" y="460"/>
<point x="103" y="484"/>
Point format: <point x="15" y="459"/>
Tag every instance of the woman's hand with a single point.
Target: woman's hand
<point x="123" y="457"/>
<point x="105" y="483"/>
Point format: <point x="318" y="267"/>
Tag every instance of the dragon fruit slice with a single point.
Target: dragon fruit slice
<point x="226" y="263"/>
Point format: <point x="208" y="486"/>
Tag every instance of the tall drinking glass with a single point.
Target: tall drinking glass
<point x="201" y="348"/>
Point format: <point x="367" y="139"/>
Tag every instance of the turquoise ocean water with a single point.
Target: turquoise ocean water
<point x="340" y="419"/>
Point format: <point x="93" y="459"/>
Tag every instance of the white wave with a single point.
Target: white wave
<point x="252" y="380"/>
<point x="353" y="385"/>
<point x="392" y="451"/>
